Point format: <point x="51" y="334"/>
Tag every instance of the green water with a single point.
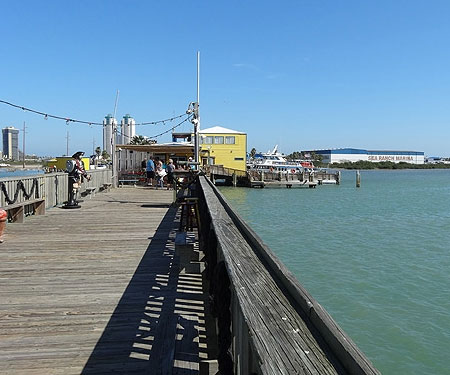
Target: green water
<point x="377" y="258"/>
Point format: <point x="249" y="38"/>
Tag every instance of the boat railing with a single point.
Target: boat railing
<point x="293" y="175"/>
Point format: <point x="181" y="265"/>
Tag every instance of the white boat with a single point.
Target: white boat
<point x="274" y="161"/>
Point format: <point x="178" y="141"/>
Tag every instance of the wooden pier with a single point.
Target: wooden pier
<point x="102" y="289"/>
<point x="116" y="287"/>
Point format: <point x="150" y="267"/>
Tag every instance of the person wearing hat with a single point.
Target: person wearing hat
<point x="79" y="171"/>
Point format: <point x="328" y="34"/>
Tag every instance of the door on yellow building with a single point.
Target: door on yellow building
<point x="208" y="160"/>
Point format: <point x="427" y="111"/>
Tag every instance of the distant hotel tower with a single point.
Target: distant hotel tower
<point x="128" y="129"/>
<point x="107" y="133"/>
<point x="11" y="143"/>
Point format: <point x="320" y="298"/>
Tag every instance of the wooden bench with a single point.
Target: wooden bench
<point x="133" y="181"/>
<point x="17" y="211"/>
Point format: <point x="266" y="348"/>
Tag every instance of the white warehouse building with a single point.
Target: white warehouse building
<point x="342" y="155"/>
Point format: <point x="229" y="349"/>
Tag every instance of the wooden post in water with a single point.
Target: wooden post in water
<point x="358" y="179"/>
<point x="262" y="176"/>
<point x="234" y="179"/>
<point x="338" y="181"/>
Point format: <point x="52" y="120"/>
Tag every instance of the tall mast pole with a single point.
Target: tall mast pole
<point x="113" y="143"/>
<point x="23" y="146"/>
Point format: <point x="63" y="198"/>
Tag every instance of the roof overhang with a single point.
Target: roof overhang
<point x="159" y="148"/>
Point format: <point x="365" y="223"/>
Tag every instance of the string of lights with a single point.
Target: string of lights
<point x="172" y="128"/>
<point x="161" y="121"/>
<point x="158" y="135"/>
<point x="69" y="120"/>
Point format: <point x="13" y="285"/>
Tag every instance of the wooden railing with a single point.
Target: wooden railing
<point x="51" y="187"/>
<point x="220" y="170"/>
<point x="267" y="322"/>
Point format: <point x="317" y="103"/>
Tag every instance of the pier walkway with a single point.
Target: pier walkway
<point x="102" y="289"/>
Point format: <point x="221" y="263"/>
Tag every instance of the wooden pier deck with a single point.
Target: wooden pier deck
<point x="102" y="289"/>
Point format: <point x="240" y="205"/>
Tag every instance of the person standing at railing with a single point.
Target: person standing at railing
<point x="150" y="169"/>
<point x="169" y="169"/>
<point x="160" y="173"/>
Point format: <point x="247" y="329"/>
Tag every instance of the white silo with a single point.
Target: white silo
<point x="107" y="132"/>
<point x="128" y="129"/>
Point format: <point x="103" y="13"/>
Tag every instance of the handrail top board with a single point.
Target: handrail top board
<point x="281" y="336"/>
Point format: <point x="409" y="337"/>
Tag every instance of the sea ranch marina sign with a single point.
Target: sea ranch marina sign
<point x="342" y="155"/>
<point x="390" y="158"/>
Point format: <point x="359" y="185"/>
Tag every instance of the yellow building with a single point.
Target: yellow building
<point x="223" y="146"/>
<point x="60" y="162"/>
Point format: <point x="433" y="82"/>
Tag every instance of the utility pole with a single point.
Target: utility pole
<point x="196" y="119"/>
<point x="67" y="143"/>
<point x="23" y="146"/>
<point x="113" y="143"/>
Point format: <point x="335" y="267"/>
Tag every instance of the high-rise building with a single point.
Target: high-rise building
<point x="128" y="129"/>
<point x="108" y="123"/>
<point x="11" y="143"/>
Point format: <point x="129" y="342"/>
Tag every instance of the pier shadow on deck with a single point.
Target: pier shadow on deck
<point x="159" y="324"/>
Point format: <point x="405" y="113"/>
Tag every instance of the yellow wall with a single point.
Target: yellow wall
<point x="60" y="162"/>
<point x="226" y="154"/>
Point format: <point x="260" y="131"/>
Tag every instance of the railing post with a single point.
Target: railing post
<point x="222" y="306"/>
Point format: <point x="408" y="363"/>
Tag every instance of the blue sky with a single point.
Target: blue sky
<point x="301" y="74"/>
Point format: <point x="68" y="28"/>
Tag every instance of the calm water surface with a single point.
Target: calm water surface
<point x="19" y="172"/>
<point x="377" y="258"/>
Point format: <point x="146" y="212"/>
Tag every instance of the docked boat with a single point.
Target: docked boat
<point x="272" y="168"/>
<point x="274" y="161"/>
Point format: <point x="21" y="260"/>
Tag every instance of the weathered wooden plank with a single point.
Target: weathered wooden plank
<point x="289" y="331"/>
<point x="83" y="291"/>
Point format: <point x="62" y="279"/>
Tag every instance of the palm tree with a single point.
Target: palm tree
<point x="141" y="140"/>
<point x="105" y="155"/>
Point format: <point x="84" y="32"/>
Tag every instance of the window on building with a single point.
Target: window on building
<point x="218" y="140"/>
<point x="238" y="158"/>
<point x="207" y="140"/>
<point x="230" y="140"/>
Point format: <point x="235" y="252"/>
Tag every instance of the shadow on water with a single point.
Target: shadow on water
<point x="159" y="322"/>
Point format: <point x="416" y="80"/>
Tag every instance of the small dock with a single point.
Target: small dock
<point x="103" y="289"/>
<point x="286" y="184"/>
<point x="288" y="179"/>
